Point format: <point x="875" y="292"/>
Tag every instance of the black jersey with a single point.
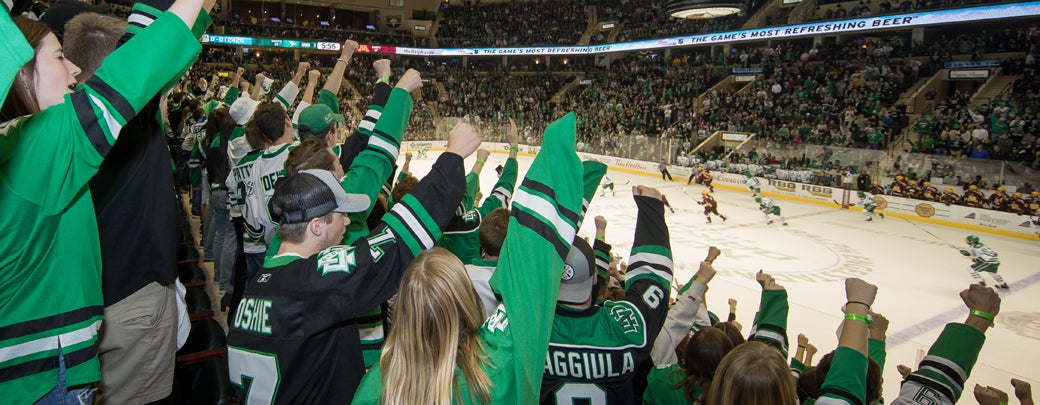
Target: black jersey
<point x="295" y="336"/>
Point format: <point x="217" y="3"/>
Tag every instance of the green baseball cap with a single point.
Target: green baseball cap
<point x="315" y="118"/>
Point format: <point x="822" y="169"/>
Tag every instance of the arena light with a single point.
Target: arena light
<point x="702" y="9"/>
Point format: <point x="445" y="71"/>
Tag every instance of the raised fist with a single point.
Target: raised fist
<point x="410" y="81"/>
<point x="463" y="140"/>
<point x="382" y="68"/>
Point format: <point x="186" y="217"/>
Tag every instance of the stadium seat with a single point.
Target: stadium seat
<point x="191" y="275"/>
<point x="187" y="254"/>
<point x="205" y="341"/>
<point x="199" y="304"/>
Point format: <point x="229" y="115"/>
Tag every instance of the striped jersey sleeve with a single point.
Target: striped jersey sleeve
<point x="502" y="193"/>
<point x="370" y="270"/>
<point x="369" y="170"/>
<point x="649" y="277"/>
<point x="771" y="320"/>
<point x="846" y="382"/>
<point x="96" y="112"/>
<point x="542" y="226"/>
<point x="601" y="249"/>
<point x="940" y="377"/>
<point x="287" y="95"/>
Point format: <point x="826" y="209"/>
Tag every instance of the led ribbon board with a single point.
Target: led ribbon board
<point x="898" y="21"/>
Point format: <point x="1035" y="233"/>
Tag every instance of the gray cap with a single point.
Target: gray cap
<point x="578" y="268"/>
<point x="311" y="194"/>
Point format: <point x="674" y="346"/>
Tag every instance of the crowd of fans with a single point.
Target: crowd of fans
<point x="866" y="8"/>
<point x="514" y="23"/>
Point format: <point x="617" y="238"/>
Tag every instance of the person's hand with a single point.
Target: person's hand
<point x="979" y="298"/>
<point x="990" y="395"/>
<point x="410" y="81"/>
<point x="207" y="5"/>
<point x="407" y="156"/>
<point x="463" y="140"/>
<point x="810" y="350"/>
<point x="857" y="290"/>
<point x="802" y="340"/>
<point x="614" y="271"/>
<point x="904" y="370"/>
<point x="260" y="77"/>
<point x="302" y="68"/>
<point x="713" y="253"/>
<point x="622" y="267"/>
<point x="1023" y="391"/>
<point x="767" y="282"/>
<point x="312" y="76"/>
<point x="705" y="272"/>
<point x="382" y="68"/>
<point x="512" y="135"/>
<point x="482" y="154"/>
<point x="732" y="302"/>
<point x="245" y="86"/>
<point x="349" y="46"/>
<point x="646" y="191"/>
<point x="601" y="223"/>
<point x="878" y="327"/>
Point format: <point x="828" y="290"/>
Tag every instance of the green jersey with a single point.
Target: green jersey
<point x="51" y="236"/>
<point x="542" y="225"/>
<point x="462" y="235"/>
<point x="594" y="352"/>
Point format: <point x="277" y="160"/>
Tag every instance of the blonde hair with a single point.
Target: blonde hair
<point x="752" y="373"/>
<point x="436" y="319"/>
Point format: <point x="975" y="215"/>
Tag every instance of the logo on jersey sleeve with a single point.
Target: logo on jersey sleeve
<point x="337" y="259"/>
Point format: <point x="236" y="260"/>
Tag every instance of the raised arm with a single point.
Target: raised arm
<point x="770" y="325"/>
<point x="77" y="134"/>
<point x="681" y="315"/>
<point x="541" y="229"/>
<point x="846" y="380"/>
<point x="379" y="260"/>
<point x="257" y="86"/>
<point x="336" y="78"/>
<point x="375" y="163"/>
<point x="941" y="375"/>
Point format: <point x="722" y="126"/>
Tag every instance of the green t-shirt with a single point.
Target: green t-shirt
<point x="662" y="386"/>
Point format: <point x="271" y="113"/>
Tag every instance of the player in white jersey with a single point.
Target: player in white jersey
<point x="608" y="183"/>
<point x="768" y="207"/>
<point x="869" y="205"/>
<point x="753" y="184"/>
<point x="983" y="259"/>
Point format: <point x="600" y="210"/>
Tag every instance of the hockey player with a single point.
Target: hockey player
<point x="1018" y="205"/>
<point x="600" y="348"/>
<point x="913" y="189"/>
<point x="869" y="205"/>
<point x="983" y="259"/>
<point x="768" y="207"/>
<point x="875" y="188"/>
<point x="973" y="197"/>
<point x="948" y="197"/>
<point x="929" y="192"/>
<point x="704" y="177"/>
<point x="710" y="206"/>
<point x="899" y="187"/>
<point x="753" y="184"/>
<point x="693" y="175"/>
<point x="608" y="183"/>
<point x="999" y="200"/>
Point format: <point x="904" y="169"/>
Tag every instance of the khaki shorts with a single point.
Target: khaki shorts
<point x="137" y="347"/>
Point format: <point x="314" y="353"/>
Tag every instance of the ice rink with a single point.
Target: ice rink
<point x="919" y="275"/>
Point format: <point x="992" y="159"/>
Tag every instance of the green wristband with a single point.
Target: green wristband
<point x="383" y="80"/>
<point x="514" y="148"/>
<point x="858" y="317"/>
<point x="480" y="162"/>
<point x="983" y="315"/>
